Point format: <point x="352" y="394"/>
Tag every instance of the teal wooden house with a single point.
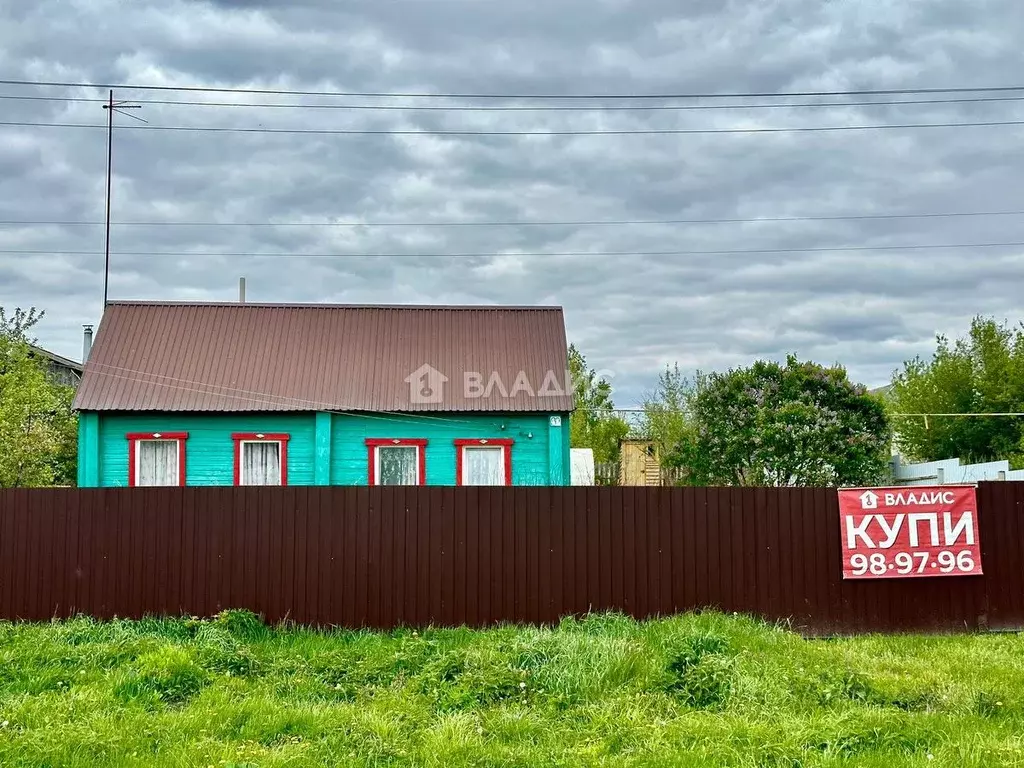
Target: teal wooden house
<point x="286" y="394"/>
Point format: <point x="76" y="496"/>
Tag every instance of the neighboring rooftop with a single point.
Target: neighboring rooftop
<point x="61" y="370"/>
<point x="160" y="356"/>
<point x="53" y="357"/>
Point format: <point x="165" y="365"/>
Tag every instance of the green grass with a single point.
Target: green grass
<point x="704" y="690"/>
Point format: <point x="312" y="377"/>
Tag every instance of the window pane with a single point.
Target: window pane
<point x="396" y="465"/>
<point x="261" y="463"/>
<point x="483" y="466"/>
<point x="158" y="462"/>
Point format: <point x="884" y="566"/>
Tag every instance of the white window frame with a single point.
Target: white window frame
<point x="136" y="458"/>
<point x="402" y="446"/>
<point x="505" y="445"/>
<point x="241" y="461"/>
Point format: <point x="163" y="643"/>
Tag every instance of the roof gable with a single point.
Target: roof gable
<point x="53" y="357"/>
<point x="301" y="357"/>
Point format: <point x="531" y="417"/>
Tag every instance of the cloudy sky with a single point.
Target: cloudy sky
<point x="439" y="218"/>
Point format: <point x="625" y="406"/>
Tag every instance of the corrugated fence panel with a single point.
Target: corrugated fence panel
<point x="414" y="556"/>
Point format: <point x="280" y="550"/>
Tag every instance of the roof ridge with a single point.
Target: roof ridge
<point x="323" y="305"/>
<point x="66" y="361"/>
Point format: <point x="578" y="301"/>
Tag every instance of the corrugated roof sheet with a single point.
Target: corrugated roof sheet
<point x="151" y="356"/>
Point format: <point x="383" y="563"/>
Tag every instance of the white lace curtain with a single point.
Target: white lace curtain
<point x="261" y="463"/>
<point x="483" y="466"/>
<point x="396" y="465"/>
<point x="158" y="462"/>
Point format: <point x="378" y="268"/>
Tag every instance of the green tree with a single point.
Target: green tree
<point x="37" y="426"/>
<point x="664" y="412"/>
<point x="784" y="425"/>
<point x="594" y="424"/>
<point x="981" y="373"/>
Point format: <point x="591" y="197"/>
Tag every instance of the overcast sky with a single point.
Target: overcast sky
<point x="630" y="314"/>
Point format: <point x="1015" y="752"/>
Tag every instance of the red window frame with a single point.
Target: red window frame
<point x="484" y="442"/>
<point x="261" y="437"/>
<point x="133" y="441"/>
<point x="373" y="443"/>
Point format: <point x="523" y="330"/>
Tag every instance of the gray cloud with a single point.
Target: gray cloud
<point x="631" y="314"/>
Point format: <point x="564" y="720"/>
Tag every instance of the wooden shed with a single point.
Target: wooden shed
<point x="638" y="463"/>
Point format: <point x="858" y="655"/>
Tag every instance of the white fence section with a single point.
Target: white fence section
<point x="952" y="472"/>
<point x="582" y="463"/>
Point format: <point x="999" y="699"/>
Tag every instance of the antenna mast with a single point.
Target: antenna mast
<point x="111" y="106"/>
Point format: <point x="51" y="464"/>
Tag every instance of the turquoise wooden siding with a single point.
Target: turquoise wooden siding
<point x="209" y="451"/>
<point x="88" y="450"/>
<point x="325" y="448"/>
<point x="530" y="454"/>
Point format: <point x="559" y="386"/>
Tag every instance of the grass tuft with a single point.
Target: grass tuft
<point x="244" y="625"/>
<point x="700" y="672"/>
<point x="169" y="675"/>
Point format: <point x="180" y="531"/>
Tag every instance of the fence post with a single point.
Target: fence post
<point x="940" y="475"/>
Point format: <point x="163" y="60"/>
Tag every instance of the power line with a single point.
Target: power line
<point x="959" y="415"/>
<point x="272" y="400"/>
<point x="446" y="132"/>
<point x="520" y="96"/>
<point x="897" y="415"/>
<point x="260" y="398"/>
<point x="496" y="254"/>
<point x="577" y="223"/>
<point x="463" y="108"/>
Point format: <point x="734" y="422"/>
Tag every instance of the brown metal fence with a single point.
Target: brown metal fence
<point x="382" y="557"/>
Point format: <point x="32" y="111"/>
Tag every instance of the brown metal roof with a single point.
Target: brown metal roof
<point x="151" y="356"/>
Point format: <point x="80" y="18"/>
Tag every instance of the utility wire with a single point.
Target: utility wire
<point x="577" y="223"/>
<point x="270" y="400"/>
<point x="463" y="108"/>
<point x="278" y="401"/>
<point x="521" y="96"/>
<point x="897" y="415"/>
<point x="959" y="415"/>
<point x="495" y="254"/>
<point x="447" y="132"/>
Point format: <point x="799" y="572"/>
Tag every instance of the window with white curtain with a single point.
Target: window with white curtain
<point x="156" y="462"/>
<point x="483" y="465"/>
<point x="260" y="463"/>
<point x="397" y="464"/>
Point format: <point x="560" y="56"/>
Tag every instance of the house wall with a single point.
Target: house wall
<point x="209" y="451"/>
<point x="531" y="452"/>
<point x="63" y="375"/>
<point x="325" y="448"/>
<point x="952" y="472"/>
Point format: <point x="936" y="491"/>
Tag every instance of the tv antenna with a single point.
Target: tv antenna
<point x="112" y="106"/>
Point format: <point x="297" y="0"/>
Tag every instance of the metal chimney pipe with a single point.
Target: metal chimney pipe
<point x="241" y="290"/>
<point x="86" y="343"/>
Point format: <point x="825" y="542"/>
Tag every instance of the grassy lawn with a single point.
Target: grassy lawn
<point x="689" y="691"/>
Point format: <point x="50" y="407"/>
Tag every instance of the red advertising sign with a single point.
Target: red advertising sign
<point x="900" y="533"/>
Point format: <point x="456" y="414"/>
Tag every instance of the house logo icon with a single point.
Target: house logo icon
<point x="426" y="385"/>
<point x="869" y="500"/>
